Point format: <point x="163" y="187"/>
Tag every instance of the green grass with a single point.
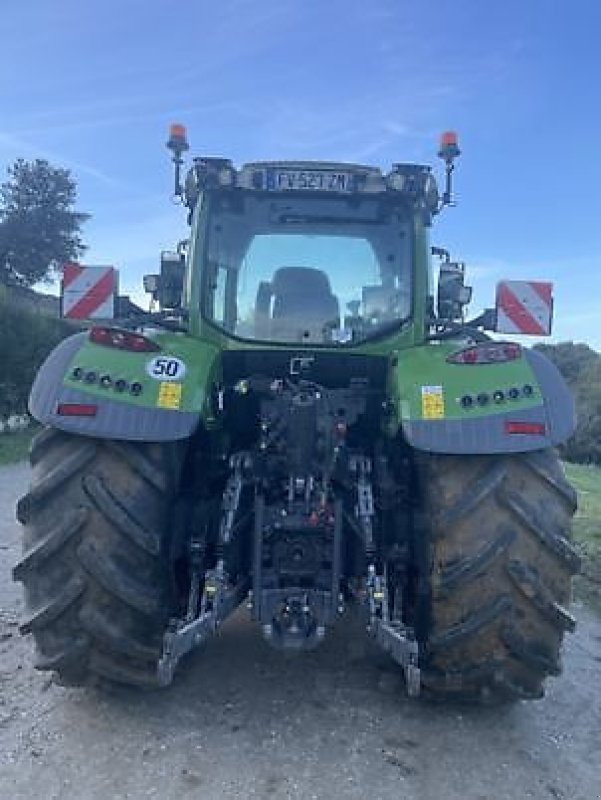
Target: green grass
<point x="587" y="528"/>
<point x="15" y="446"/>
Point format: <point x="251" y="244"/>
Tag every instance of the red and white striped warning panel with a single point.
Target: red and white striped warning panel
<point x="524" y="307"/>
<point x="88" y="292"/>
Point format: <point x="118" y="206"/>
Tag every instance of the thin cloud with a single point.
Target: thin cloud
<point x="395" y="128"/>
<point x="120" y="120"/>
<point x="25" y="148"/>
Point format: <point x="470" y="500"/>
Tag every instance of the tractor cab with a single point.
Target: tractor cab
<point x="305" y="253"/>
<point x="316" y="266"/>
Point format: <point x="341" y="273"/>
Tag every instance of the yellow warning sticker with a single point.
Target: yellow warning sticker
<point x="170" y="395"/>
<point x="432" y="402"/>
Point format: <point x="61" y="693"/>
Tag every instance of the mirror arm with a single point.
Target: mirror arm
<point x="487" y="320"/>
<point x="441" y="252"/>
<point x="452" y="330"/>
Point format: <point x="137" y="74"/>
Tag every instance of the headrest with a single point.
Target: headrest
<point x="303" y="280"/>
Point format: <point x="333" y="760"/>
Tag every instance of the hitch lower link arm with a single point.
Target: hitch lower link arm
<point x="392" y="635"/>
<point x="219" y="598"/>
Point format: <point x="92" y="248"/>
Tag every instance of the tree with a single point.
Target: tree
<point x="581" y="368"/>
<point x="39" y="228"/>
<point x="571" y="359"/>
<point x="27" y="337"/>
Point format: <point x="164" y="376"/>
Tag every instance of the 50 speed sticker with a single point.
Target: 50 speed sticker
<point x="432" y="402"/>
<point x="166" y="368"/>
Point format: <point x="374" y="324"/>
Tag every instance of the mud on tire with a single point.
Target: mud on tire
<point x="98" y="589"/>
<point x="496" y="573"/>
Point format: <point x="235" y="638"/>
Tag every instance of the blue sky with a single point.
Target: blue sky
<point x="94" y="86"/>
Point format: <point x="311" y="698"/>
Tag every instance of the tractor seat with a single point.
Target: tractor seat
<point x="302" y="303"/>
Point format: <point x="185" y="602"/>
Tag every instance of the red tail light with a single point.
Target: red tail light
<point x="123" y="340"/>
<point x="489" y="353"/>
<point x="76" y="410"/>
<point x="529" y="428"/>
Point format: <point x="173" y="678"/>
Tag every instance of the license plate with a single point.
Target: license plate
<point x="284" y="180"/>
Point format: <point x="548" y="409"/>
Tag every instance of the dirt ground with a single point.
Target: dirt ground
<point x="244" y="721"/>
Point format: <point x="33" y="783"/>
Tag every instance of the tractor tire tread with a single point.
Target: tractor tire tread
<point x="141" y="464"/>
<point x="497" y="543"/>
<point x="549" y="538"/>
<point x="119" y="516"/>
<point x="68" y="657"/>
<point x="120" y="672"/>
<point x="471" y="566"/>
<point x="470" y="626"/>
<point x="42" y="441"/>
<point x="549" y="472"/>
<point x="115" y="580"/>
<point x="98" y="587"/>
<point x="43" y="615"/>
<point x="51" y="542"/>
<point x="54" y="479"/>
<point x="529" y="583"/>
<point x="110" y="635"/>
<point x="531" y="653"/>
<point x="486" y="484"/>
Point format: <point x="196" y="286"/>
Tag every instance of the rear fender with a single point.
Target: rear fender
<point x="427" y="392"/>
<point x="160" y="408"/>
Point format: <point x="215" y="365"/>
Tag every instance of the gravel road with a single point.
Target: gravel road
<point x="244" y="721"/>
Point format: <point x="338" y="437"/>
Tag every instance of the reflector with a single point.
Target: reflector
<point x="530" y="428"/>
<point x="122" y="340"/>
<point x="489" y="353"/>
<point x="76" y="410"/>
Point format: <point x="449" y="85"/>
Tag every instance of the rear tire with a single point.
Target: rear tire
<point x="98" y="585"/>
<point x="498" y="562"/>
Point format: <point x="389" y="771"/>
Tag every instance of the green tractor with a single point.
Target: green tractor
<point x="303" y="423"/>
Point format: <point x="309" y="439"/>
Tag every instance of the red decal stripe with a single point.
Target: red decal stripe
<point x="97" y="295"/>
<point x="544" y="290"/>
<point x="526" y="428"/>
<point x="516" y="312"/>
<point x="71" y="271"/>
<point x="76" y="410"/>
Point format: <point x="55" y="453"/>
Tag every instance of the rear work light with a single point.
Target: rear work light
<point x="489" y="353"/>
<point x="123" y="340"/>
<point x="528" y="428"/>
<point x="76" y="410"/>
